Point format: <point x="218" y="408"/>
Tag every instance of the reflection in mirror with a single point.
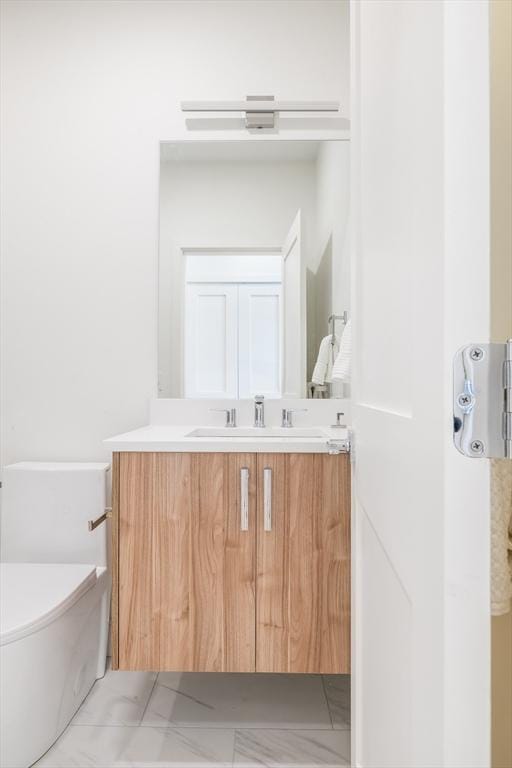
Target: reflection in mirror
<point x="253" y="262"/>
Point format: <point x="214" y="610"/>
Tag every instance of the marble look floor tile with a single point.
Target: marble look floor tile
<point x="236" y="700"/>
<point x="134" y="747"/>
<point x="291" y="749"/>
<point x="117" y="699"/>
<point x="337" y="690"/>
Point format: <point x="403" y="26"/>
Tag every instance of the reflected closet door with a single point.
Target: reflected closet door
<point x="211" y="340"/>
<point x="259" y="340"/>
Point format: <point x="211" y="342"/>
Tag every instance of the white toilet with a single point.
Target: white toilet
<point x="54" y="601"/>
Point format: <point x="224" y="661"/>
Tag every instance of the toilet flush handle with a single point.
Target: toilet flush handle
<point x="92" y="524"/>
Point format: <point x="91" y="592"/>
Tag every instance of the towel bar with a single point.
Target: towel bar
<point x="332" y="324"/>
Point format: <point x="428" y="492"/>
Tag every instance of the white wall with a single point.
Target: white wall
<point x="88" y="90"/>
<point x="330" y="278"/>
<point x="245" y="204"/>
<point x="222" y="204"/>
<point x="332" y="216"/>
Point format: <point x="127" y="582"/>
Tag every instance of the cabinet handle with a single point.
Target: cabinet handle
<point x="244" y="499"/>
<point x="267" y="499"/>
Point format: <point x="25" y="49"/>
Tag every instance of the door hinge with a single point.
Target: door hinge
<point x="482" y="400"/>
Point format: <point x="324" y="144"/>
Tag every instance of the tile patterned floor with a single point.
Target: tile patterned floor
<point x="171" y="720"/>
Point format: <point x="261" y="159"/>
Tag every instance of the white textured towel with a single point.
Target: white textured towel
<point x="342" y="368"/>
<point x="327" y="353"/>
<point x="501" y="536"/>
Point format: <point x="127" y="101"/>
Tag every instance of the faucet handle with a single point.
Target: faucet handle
<point x="259" y="411"/>
<point x="286" y="414"/>
<point x="230" y="415"/>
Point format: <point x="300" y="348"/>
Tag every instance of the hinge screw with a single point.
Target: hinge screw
<point x="464" y="399"/>
<point x="477" y="446"/>
<point x="476" y="353"/>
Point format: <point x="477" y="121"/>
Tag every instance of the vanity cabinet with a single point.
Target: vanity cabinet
<point x="303" y="564"/>
<point x="231" y="562"/>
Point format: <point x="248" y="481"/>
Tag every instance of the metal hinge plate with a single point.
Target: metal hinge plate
<point x="482" y="400"/>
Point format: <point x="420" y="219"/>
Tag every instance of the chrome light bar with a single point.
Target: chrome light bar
<point x="260" y="111"/>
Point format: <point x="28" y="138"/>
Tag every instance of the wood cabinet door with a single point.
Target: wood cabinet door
<point x="184" y="575"/>
<point x="303" y="563"/>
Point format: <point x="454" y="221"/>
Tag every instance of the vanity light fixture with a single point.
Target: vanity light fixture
<point x="260" y="111"/>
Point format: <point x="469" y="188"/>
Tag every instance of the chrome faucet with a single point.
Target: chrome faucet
<point x="259" y="411"/>
<point x="287" y="416"/>
<point x="230" y="415"/>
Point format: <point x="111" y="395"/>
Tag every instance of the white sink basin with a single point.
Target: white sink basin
<point x="266" y="432"/>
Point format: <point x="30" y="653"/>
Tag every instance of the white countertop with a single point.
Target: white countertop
<point x="176" y="438"/>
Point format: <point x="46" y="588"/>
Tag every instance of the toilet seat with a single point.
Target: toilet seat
<point x="32" y="595"/>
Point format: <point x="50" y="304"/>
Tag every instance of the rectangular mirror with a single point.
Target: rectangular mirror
<point x="253" y="263"/>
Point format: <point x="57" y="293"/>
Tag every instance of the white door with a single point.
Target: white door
<point x="294" y="314"/>
<point x="259" y="340"/>
<point x="421" y="520"/>
<point x="211" y="340"/>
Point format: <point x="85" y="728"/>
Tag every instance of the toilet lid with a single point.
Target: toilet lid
<point x="34" y="594"/>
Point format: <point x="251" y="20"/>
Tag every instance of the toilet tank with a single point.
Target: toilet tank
<point x="45" y="509"/>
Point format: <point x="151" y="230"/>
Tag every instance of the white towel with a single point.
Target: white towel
<point x="322" y="373"/>
<point x="501" y="536"/>
<point x="342" y="368"/>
